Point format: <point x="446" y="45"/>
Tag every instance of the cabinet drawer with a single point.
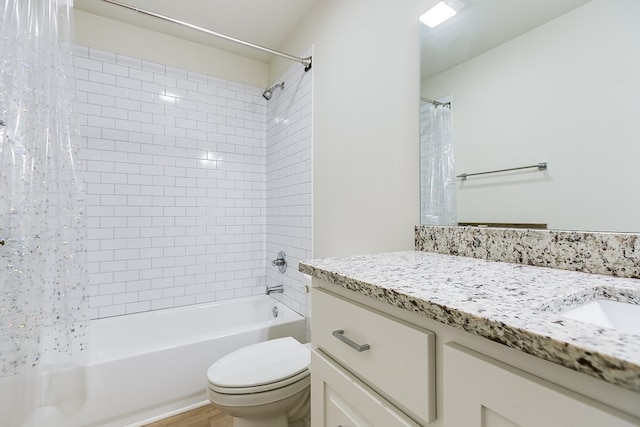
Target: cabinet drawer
<point x="398" y="362"/>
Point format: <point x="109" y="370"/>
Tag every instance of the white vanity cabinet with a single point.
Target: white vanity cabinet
<point x="406" y="371"/>
<point x="483" y="392"/>
<point x="368" y="369"/>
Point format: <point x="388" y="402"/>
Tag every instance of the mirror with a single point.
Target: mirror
<point x="546" y="81"/>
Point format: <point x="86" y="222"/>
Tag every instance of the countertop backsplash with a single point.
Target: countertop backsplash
<point x="614" y="254"/>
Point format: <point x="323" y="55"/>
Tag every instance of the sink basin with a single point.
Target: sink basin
<point x="622" y="316"/>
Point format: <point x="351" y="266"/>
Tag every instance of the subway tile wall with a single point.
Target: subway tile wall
<point x="288" y="200"/>
<point x="176" y="172"/>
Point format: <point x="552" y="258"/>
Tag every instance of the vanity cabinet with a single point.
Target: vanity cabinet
<point x="483" y="392"/>
<point x="405" y="375"/>
<point x="369" y="369"/>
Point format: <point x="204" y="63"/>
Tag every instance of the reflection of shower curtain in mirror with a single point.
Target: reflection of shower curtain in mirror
<point x="437" y="174"/>
<point x="43" y="297"/>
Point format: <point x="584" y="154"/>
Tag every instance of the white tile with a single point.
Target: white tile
<point x="102" y="56"/>
<point x="99" y="99"/>
<point x="153" y="296"/>
<point x="153" y="67"/>
<point x="143" y="76"/>
<point x="116" y="113"/>
<point x="138" y="307"/>
<point x="111" y="288"/>
<point x="112" y="133"/>
<point x="157" y="304"/>
<point x="185" y="300"/>
<point x="80" y="51"/>
<point x="197" y="77"/>
<point x="137" y="116"/>
<point x="173" y="292"/>
<point x="117" y="91"/>
<point x="128" y="125"/>
<point x="113" y="178"/>
<point x="128" y="83"/>
<point x="164" y="80"/>
<point x="139" y="95"/>
<point x="176" y="72"/>
<point x="112" y="266"/>
<point x="87" y="63"/>
<point x="126" y="61"/>
<point x="138" y="285"/>
<point x="102" y="78"/>
<point x="127" y="189"/>
<point x="108" y="200"/>
<point x="112" y="310"/>
<point x="169" y="198"/>
<point x="100" y="278"/>
<point x="101" y="122"/>
<point x="118" y="70"/>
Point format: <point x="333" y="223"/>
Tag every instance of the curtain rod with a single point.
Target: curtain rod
<point x="304" y="61"/>
<point x="436" y="103"/>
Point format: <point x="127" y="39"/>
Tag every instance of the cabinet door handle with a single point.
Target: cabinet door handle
<point x="358" y="347"/>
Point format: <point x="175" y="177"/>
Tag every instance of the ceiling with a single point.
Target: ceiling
<point x="263" y="22"/>
<point x="482" y="25"/>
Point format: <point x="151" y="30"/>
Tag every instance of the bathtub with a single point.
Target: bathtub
<point x="147" y="366"/>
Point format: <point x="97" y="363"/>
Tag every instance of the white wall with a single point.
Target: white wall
<point x="566" y="93"/>
<point x="113" y="36"/>
<point x="365" y="123"/>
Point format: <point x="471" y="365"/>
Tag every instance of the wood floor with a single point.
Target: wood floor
<point x="207" y="416"/>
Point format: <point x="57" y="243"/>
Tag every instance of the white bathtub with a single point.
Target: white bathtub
<point x="147" y="366"/>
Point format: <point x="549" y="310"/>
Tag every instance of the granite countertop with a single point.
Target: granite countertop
<point x="515" y="305"/>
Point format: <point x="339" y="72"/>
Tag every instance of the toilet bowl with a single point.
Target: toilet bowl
<point x="264" y="384"/>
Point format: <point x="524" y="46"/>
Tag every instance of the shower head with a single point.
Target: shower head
<point x="268" y="93"/>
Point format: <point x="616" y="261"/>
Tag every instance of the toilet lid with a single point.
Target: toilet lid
<point x="258" y="364"/>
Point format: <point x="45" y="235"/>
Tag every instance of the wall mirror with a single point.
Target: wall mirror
<point x="546" y="81"/>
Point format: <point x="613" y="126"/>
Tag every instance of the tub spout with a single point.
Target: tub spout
<point x="278" y="289"/>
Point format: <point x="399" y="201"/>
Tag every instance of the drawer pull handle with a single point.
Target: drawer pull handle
<point x="358" y="347"/>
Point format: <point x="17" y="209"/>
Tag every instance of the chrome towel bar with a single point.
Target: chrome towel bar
<point x="540" y="166"/>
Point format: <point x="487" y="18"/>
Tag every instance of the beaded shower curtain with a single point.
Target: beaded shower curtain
<point x="42" y="280"/>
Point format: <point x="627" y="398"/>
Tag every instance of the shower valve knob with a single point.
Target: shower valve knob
<point x="280" y="262"/>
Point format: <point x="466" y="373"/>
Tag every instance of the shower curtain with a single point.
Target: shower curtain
<point x="437" y="174"/>
<point x="42" y="278"/>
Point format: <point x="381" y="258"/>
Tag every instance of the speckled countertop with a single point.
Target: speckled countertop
<point x="515" y="305"/>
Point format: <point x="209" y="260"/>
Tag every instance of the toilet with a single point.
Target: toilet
<point x="264" y="384"/>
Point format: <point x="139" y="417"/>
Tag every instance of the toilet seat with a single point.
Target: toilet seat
<point x="260" y="388"/>
<point x="260" y="367"/>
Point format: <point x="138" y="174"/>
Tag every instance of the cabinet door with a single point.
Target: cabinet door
<point x="483" y="392"/>
<point x="338" y="399"/>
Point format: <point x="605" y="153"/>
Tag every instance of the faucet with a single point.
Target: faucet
<point x="278" y="289"/>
